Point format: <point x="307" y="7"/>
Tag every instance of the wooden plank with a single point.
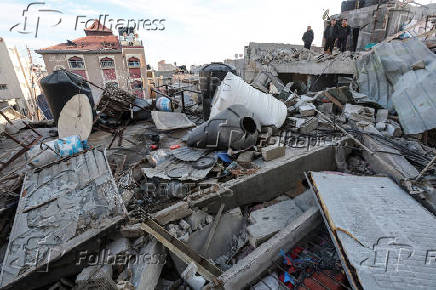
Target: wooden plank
<point x="209" y="271"/>
<point x="334" y="100"/>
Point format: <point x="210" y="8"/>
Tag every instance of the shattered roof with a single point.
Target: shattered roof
<point x="86" y="43"/>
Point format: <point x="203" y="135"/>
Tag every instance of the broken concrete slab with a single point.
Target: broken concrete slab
<point x="392" y="164"/>
<point x="230" y="224"/>
<point x="61" y="209"/>
<point x="172" y="213"/>
<point x="271" y="180"/>
<point x="384" y="238"/>
<point x="382" y="115"/>
<point x="246" y="157"/>
<point x="305" y="200"/>
<point x="393" y="129"/>
<point x="268" y="221"/>
<point x="147" y="271"/>
<point x="169" y="121"/>
<point x="380" y="126"/>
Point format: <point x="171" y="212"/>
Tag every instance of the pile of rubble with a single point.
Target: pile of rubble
<point x="144" y="194"/>
<point x="285" y="55"/>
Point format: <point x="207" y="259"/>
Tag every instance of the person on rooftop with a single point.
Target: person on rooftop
<point x="308" y="37"/>
<point x="330" y="36"/>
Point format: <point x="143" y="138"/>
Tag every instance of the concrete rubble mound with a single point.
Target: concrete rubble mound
<point x="296" y="169"/>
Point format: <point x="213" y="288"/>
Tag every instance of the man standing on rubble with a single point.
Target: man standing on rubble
<point x="308" y="37"/>
<point x="330" y="36"/>
<point x="344" y="31"/>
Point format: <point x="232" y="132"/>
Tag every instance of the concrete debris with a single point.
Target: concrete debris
<point x="132" y="231"/>
<point x="305" y="200"/>
<point x="197" y="220"/>
<point x="359" y="113"/>
<point x="307" y="110"/>
<point x="326" y="108"/>
<point x="273" y="152"/>
<point x="393" y="129"/>
<point x="125" y="285"/>
<point x="309" y="125"/>
<point x="96" y="277"/>
<point x="146" y="272"/>
<point x="420" y="64"/>
<point x="246" y="157"/>
<point x="175" y="212"/>
<point x="189" y="275"/>
<point x="382" y="116"/>
<point x="296" y="122"/>
<point x="268" y="221"/>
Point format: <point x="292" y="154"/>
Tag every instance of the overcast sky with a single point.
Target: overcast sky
<point x="195" y="31"/>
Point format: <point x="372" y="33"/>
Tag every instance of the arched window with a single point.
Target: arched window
<point x="107" y="62"/>
<point x="76" y="62"/>
<point x="134" y="62"/>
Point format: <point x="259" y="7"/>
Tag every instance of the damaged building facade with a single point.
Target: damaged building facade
<point x="309" y="171"/>
<point x="102" y="58"/>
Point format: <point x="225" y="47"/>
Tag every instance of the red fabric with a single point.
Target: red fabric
<point x="135" y="72"/>
<point x="109" y="74"/>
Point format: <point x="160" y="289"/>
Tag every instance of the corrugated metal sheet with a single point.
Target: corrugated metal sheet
<point x="415" y="100"/>
<point x="386" y="76"/>
<point x="60" y="208"/>
<point x="189" y="154"/>
<point x="385" y="238"/>
<point x="172" y="168"/>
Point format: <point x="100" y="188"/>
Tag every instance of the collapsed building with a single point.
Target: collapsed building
<point x="280" y="185"/>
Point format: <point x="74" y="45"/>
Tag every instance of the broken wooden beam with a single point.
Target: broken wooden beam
<point x="209" y="271"/>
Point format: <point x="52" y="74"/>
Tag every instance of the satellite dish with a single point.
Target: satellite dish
<point x="76" y="118"/>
